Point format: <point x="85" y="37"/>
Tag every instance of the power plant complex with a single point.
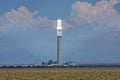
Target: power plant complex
<point x="59" y="58"/>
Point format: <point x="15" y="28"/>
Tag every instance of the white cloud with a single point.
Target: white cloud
<point x="102" y="13"/>
<point x="22" y="18"/>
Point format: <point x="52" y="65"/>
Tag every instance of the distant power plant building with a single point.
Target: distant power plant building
<point x="59" y="41"/>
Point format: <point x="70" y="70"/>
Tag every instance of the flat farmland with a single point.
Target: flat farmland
<point x="60" y="74"/>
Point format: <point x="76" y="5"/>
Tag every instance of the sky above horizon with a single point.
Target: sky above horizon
<point x="91" y="31"/>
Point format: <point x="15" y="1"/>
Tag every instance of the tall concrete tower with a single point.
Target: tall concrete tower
<point x="59" y="41"/>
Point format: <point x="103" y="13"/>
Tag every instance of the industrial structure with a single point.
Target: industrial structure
<point x="59" y="41"/>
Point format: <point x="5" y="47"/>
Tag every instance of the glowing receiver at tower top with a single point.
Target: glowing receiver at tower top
<point x="59" y="27"/>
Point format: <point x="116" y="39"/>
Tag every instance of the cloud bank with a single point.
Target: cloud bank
<point x="102" y="13"/>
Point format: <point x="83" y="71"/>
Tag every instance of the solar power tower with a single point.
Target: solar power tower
<point x="59" y="41"/>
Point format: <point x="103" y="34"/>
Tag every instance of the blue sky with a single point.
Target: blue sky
<point x="91" y="31"/>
